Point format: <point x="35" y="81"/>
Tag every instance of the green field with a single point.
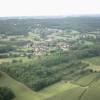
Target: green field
<point x="72" y="94"/>
<point x="87" y="79"/>
<point x="23" y="59"/>
<point x="93" y="93"/>
<point x="94" y="63"/>
<point x="57" y="88"/>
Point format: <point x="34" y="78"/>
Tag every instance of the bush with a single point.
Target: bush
<point x="6" y="94"/>
<point x="6" y="49"/>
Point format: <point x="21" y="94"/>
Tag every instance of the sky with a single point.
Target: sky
<point x="48" y="7"/>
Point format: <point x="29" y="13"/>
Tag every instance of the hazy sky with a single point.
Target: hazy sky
<point x="48" y="7"/>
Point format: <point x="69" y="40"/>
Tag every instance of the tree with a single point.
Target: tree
<point x="6" y="94"/>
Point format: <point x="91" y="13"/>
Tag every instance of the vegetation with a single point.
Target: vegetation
<point x="41" y="73"/>
<point x="50" y="59"/>
<point x="20" y="91"/>
<point x="57" y="88"/>
<point x="20" y="26"/>
<point x="6" y="94"/>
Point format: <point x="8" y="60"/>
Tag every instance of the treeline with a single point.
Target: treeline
<point x="23" y="26"/>
<point x="86" y="51"/>
<point x="6" y="48"/>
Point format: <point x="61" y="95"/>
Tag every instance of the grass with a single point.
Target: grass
<point x="93" y="92"/>
<point x="72" y="94"/>
<point x="21" y="91"/>
<point x="94" y="63"/>
<point x="94" y="60"/>
<point x="86" y="80"/>
<point x="3" y="60"/>
<point x="24" y="59"/>
<point x="57" y="88"/>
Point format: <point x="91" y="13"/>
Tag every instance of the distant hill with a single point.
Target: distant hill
<point x="48" y="17"/>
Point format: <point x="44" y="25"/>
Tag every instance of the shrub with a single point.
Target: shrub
<point x="6" y="94"/>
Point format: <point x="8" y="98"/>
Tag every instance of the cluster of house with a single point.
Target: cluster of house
<point x="46" y="47"/>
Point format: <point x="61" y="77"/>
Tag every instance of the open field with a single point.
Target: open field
<point x="57" y="88"/>
<point x="72" y="94"/>
<point x="23" y="59"/>
<point x="87" y="79"/>
<point x="92" y="93"/>
<point x="94" y="63"/>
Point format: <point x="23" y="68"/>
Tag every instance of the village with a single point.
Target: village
<point x="56" y="41"/>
